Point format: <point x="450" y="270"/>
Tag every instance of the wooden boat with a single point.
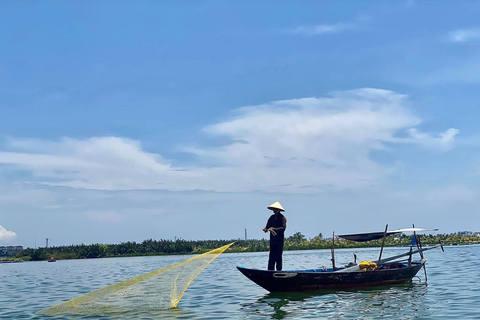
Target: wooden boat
<point x="386" y="271"/>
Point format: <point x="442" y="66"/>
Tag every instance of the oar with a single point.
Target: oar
<point x="356" y="268"/>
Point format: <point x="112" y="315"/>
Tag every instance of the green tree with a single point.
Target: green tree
<point x="297" y="237"/>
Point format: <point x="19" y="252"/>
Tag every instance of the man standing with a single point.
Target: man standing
<point x="276" y="225"/>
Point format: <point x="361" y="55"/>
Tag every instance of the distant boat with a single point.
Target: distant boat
<point x="52" y="259"/>
<point x="11" y="261"/>
<point x="386" y="271"/>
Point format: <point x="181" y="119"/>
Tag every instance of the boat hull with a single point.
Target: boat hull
<point x="309" y="280"/>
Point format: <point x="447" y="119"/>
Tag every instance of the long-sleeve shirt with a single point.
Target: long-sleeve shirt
<point x="279" y="223"/>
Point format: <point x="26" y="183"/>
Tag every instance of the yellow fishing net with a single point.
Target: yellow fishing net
<point x="157" y="290"/>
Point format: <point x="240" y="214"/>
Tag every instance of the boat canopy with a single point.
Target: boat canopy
<point x="362" y="237"/>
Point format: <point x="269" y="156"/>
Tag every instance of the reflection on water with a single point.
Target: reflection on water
<point x="276" y="304"/>
<point x="399" y="302"/>
<point x="174" y="314"/>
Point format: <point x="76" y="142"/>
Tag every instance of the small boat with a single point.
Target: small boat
<point x="387" y="271"/>
<point x="10" y="261"/>
<point x="52" y="259"/>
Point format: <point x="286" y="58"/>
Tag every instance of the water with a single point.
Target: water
<point x="222" y="292"/>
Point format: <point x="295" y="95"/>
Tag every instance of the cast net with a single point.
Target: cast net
<point x="157" y="290"/>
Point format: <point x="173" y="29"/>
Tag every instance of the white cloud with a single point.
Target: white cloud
<point x="443" y="142"/>
<point x="464" y="35"/>
<point x="300" y="145"/>
<point x="108" y="163"/>
<point x="6" y="235"/>
<point x="321" y="29"/>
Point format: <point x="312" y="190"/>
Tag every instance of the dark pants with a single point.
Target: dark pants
<point x="275" y="257"/>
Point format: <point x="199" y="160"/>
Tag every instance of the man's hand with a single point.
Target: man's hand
<point x="264" y="229"/>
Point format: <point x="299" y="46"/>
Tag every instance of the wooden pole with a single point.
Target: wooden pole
<point x="419" y="247"/>
<point x="333" y="251"/>
<point x="383" y="243"/>
<point x="410" y="257"/>
<point x="417" y="241"/>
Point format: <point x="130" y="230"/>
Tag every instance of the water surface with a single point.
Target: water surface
<point x="222" y="292"/>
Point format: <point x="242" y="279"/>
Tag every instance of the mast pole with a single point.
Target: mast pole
<point x="333" y="250"/>
<point x="417" y="240"/>
<point x="383" y="244"/>
<point x="419" y="246"/>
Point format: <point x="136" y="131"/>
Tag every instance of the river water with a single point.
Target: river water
<point x="222" y="292"/>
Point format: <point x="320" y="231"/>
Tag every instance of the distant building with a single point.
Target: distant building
<point x="9" y="250"/>
<point x="465" y="233"/>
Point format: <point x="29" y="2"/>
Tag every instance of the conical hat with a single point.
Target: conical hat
<point x="276" y="205"/>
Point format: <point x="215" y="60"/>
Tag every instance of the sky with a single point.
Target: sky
<point x="130" y="120"/>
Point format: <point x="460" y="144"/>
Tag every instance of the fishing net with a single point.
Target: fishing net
<point x="157" y="290"/>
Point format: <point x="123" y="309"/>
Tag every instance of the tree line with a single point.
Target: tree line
<point x="168" y="247"/>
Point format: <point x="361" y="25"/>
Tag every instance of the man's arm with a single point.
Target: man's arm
<point x="268" y="225"/>
<point x="284" y="225"/>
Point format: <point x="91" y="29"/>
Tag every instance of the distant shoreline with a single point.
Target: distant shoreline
<point x="152" y="247"/>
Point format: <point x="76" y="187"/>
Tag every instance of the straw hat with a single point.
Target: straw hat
<point x="276" y="205"/>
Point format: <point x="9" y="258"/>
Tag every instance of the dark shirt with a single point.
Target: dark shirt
<point x="279" y="223"/>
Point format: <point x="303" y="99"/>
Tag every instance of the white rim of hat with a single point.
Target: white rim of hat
<point x="276" y="205"/>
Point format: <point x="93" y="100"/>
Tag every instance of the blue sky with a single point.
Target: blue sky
<point x="128" y="120"/>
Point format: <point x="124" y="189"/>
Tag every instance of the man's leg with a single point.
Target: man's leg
<point x="271" y="258"/>
<point x="279" y="253"/>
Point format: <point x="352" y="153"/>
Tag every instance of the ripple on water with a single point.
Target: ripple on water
<point x="221" y="292"/>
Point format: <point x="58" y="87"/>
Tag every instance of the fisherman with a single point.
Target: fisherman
<point x="276" y="225"/>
